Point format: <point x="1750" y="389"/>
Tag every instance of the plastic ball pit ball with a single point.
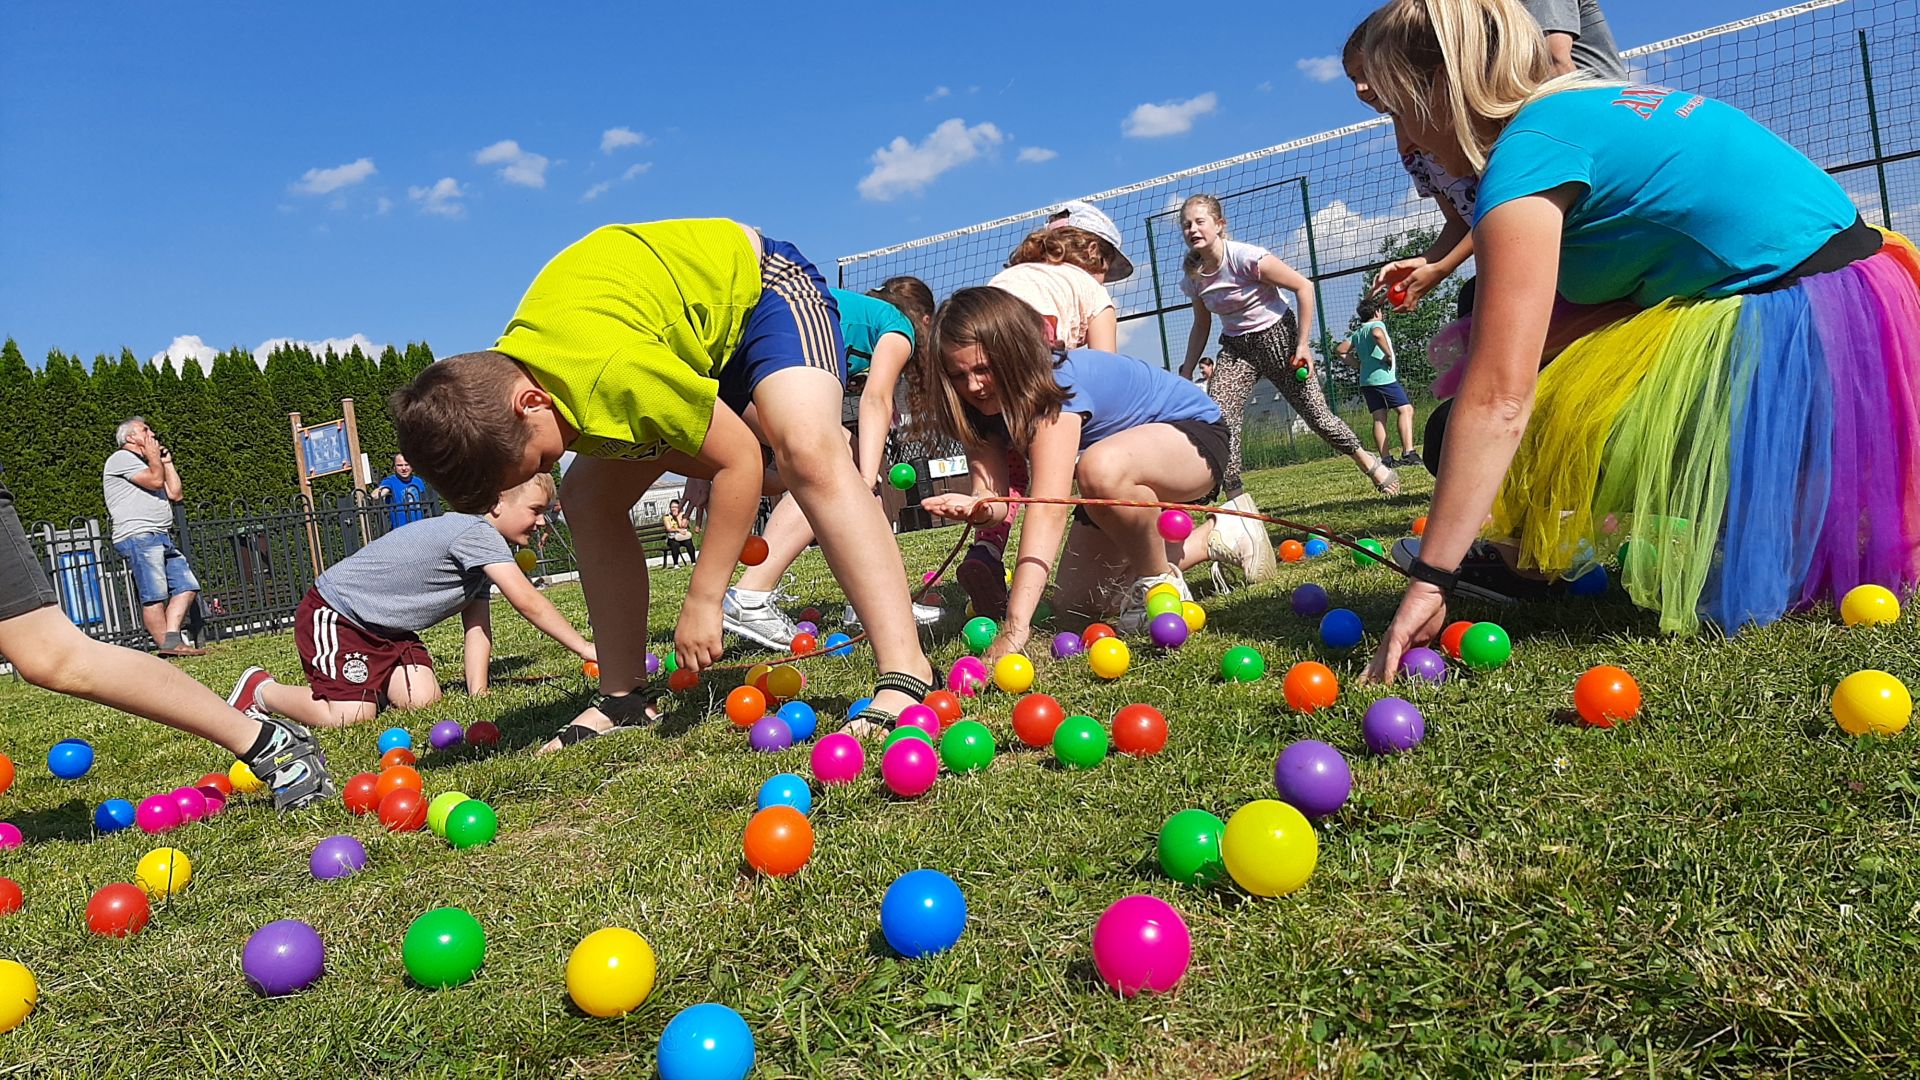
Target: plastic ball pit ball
<point x="399" y="755"/>
<point x="807" y="626"/>
<point x="1310" y="601"/>
<point x="980" y="632"/>
<point x="1194" y="616"/>
<point x="967" y="676"/>
<point x="778" y="841"/>
<point x="745" y="705"/>
<point x="11" y="898"/>
<point x="526" y="560"/>
<point x="472" y="824"/>
<point x="1869" y="605"/>
<point x="1341" y="629"/>
<point x="446" y="734"/>
<point x="770" y="734"/>
<point x="118" y="910"/>
<point x="1141" y="943"/>
<point x="1169" y="631"/>
<point x="1310" y="686"/>
<point x="801" y="720"/>
<point x="922" y="717"/>
<point x="1189" y="848"/>
<point x="1139" y="731"/>
<point x="671" y="663"/>
<point x="785" y="681"/>
<point x="838" y="645"/>
<point x="444" y="947"/>
<point x="753" y="552"/>
<point x="244" y="781"/>
<point x="6" y="773"/>
<point x="923" y="913"/>
<point x="653" y="665"/>
<point x="1242" y="664"/>
<point x="1485" y="646"/>
<point x="945" y="705"/>
<point x="214" y="800"/>
<point x="1110" y="658"/>
<point x="1424" y="664"/>
<point x="1453" y="635"/>
<point x="1080" y="742"/>
<point x="705" y="1042"/>
<point x="442" y="805"/>
<point x="70" y="759"/>
<point x="157" y="814"/>
<point x="682" y="681"/>
<point x="113" y="815"/>
<point x="590" y="669"/>
<point x="216" y="780"/>
<point x="1313" y="778"/>
<point x="397" y="778"/>
<point x="786" y="789"/>
<point x="393" y="737"/>
<point x="1374" y="553"/>
<point x="337" y="857"/>
<point x="802" y="644"/>
<point x="191" y="804"/>
<point x="283" y="957"/>
<point x="403" y="810"/>
<point x="909" y="768"/>
<point x="1291" y="551"/>
<point x="1872" y="702"/>
<point x="859" y="706"/>
<point x="1605" y="695"/>
<point x="1591" y="583"/>
<point x="164" y="872"/>
<point x="10" y="836"/>
<point x="907" y="732"/>
<point x="1035" y="718"/>
<point x="18" y="994"/>
<point x="1300" y="374"/>
<point x="1420" y="525"/>
<point x="1167" y="599"/>
<point x="359" y="793"/>
<point x="967" y="747"/>
<point x="610" y="972"/>
<point x="1175" y="526"/>
<point x="1067" y="644"/>
<point x="1097" y="632"/>
<point x="837" y="758"/>
<point x="902" y="476"/>
<point x="1392" y="725"/>
<point x="1269" y="848"/>
<point x="1012" y="673"/>
<point x="1397" y="293"/>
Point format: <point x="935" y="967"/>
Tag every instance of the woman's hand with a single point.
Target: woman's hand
<point x="1422" y="615"/>
<point x="696" y="637"/>
<point x="695" y="496"/>
<point x="1395" y="272"/>
<point x="1420" y="283"/>
<point x="957" y="507"/>
<point x="1010" y="641"/>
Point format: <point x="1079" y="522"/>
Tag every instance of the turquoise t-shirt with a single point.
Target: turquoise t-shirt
<point x="1374" y="369"/>
<point x="1686" y="197"/>
<point x="864" y="320"/>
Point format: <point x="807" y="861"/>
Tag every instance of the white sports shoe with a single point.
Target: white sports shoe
<point x="1243" y="542"/>
<point x="1134" y="615"/>
<point x="762" y="623"/>
<point x="924" y="614"/>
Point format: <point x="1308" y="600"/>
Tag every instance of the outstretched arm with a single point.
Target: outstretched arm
<point x="1274" y="271"/>
<point x="890" y="356"/>
<point x="730" y="456"/>
<point x="1197" y="338"/>
<point x="477" y="619"/>
<point x="533" y="605"/>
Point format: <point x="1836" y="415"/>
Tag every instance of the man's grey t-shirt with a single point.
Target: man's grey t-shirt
<point x="414" y="577"/>
<point x="1593" y="47"/>
<point x="131" y="508"/>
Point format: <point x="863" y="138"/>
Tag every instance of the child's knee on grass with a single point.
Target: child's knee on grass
<point x="412" y="686"/>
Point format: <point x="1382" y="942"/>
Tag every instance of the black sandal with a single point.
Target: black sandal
<point x="872" y="720"/>
<point x="636" y="709"/>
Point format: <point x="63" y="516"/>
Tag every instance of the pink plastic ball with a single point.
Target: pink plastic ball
<point x="838" y="758"/>
<point x="922" y="717"/>
<point x="909" y="767"/>
<point x="926" y="578"/>
<point x="157" y="814"/>
<point x="216" y="799"/>
<point x="968" y="676"/>
<point x="10" y="836"/>
<point x="191" y="804"/>
<point x="1141" y="943"/>
<point x="1175" y="526"/>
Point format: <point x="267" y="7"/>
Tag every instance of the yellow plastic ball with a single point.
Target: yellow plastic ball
<point x="786" y="681"/>
<point x="19" y="992"/>
<point x="610" y="972"/>
<point x="757" y="670"/>
<point x="1013" y="673"/>
<point x="1009" y="577"/>
<point x="971" y="611"/>
<point x="1195" y="615"/>
<point x="526" y="560"/>
<point x="163" y="872"/>
<point x="243" y="779"/>
<point x="1163" y="587"/>
<point x="441" y="808"/>
<point x="1110" y="658"/>
<point x="1869" y="605"/>
<point x="1269" y="848"/>
<point x="1872" y="701"/>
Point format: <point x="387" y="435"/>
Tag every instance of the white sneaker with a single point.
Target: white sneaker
<point x="1243" y="542"/>
<point x="1134" y="615"/>
<point x="924" y="614"/>
<point x="762" y="623"/>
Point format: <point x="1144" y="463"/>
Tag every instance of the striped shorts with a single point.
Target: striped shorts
<point x="343" y="660"/>
<point x="795" y="324"/>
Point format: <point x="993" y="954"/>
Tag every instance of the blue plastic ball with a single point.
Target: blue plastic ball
<point x="800" y="718"/>
<point x="1341" y="629"/>
<point x="1309" y="600"/>
<point x="838" y="645"/>
<point x="706" y="1042"/>
<point x="858" y="707"/>
<point x="113" y="815"/>
<point x="923" y="913"/>
<point x="70" y="759"/>
<point x="1591" y="583"/>
<point x="395" y="736"/>
<point x="1316" y="547"/>
<point x="786" y="789"/>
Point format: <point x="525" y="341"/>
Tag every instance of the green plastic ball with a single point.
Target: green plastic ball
<point x="1485" y="646"/>
<point x="471" y="824"/>
<point x="1190" y="848"/>
<point x="966" y="747"/>
<point x="907" y="731"/>
<point x="1374" y="546"/>
<point x="1162" y="604"/>
<point x="671" y="663"/>
<point x="1242" y="663"/>
<point x="1300" y="375"/>
<point x="902" y="476"/>
<point x="1080" y="742"/>
<point x="980" y="632"/>
<point x="443" y="948"/>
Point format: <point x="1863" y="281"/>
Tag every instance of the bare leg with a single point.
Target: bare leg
<point x="177" y="606"/>
<point x="1406" y="429"/>
<point x="1092" y="576"/>
<point x="154" y="618"/>
<point x="1153" y="462"/>
<point x="412" y="686"/>
<point x="1380" y="431"/>
<point x="298" y="704"/>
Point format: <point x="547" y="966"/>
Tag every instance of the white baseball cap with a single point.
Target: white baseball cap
<point x="1080" y="215"/>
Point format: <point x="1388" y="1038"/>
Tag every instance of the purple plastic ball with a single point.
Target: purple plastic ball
<point x="1392" y="725"/>
<point x="337" y="857"/>
<point x="653" y="664"/>
<point x="1424" y="664"/>
<point x="1065" y="645"/>
<point x="1313" y="778"/>
<point x="446" y="733"/>
<point x="770" y="733"/>
<point x="1310" y="601"/>
<point x="807" y="626"/>
<point x="283" y="957"/>
<point x="1168" y="630"/>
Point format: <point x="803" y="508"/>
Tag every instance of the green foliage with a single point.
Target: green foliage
<point x="1412" y="330"/>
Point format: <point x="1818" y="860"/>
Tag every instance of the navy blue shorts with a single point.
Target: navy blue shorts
<point x="795" y="324"/>
<point x="1390" y="396"/>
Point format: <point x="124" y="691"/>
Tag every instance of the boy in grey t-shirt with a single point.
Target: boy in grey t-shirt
<point x="358" y="628"/>
<point x="1578" y="37"/>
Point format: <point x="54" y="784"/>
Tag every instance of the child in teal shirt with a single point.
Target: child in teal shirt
<point x="1380" y="382"/>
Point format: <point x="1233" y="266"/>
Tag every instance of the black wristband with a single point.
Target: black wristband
<point x="1444" y="580"/>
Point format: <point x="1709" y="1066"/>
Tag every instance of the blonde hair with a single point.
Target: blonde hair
<point x="1190" y="262"/>
<point x="1014" y="339"/>
<point x="1492" y="53"/>
<point x="542" y="481"/>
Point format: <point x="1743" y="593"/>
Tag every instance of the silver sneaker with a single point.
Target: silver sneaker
<point x="923" y="614"/>
<point x="763" y="624"/>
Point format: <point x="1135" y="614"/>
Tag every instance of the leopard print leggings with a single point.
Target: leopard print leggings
<point x="1264" y="354"/>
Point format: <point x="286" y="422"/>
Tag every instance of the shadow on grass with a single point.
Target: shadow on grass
<point x="71" y="820"/>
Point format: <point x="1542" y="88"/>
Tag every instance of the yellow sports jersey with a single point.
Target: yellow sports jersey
<point x="629" y="327"/>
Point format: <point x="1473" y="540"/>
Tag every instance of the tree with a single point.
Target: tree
<point x="1412" y="330"/>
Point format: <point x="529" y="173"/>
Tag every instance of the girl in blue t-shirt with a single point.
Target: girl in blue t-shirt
<point x="1745" y="431"/>
<point x="1117" y="426"/>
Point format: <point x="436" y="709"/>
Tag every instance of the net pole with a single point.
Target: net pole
<point x="1873" y="127"/>
<point x="1159" y="299"/>
<point x="1313" y="274"/>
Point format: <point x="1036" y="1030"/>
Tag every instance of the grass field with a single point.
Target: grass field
<point x="1727" y="886"/>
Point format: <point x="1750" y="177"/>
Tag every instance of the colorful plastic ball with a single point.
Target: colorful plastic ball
<point x="18" y="994"/>
<point x="472" y="824"/>
<point x="118" y="910"/>
<point x="10" y="836"/>
<point x="1375" y="552"/>
<point x="922" y="717"/>
<point x="360" y="793"/>
<point x="1013" y="673"/>
<point x="444" y="947"/>
<point x="786" y="789"/>
<point x="1301" y="374"/>
<point x="526" y="560"/>
<point x="1141" y="943"/>
<point x="399" y="755"/>
<point x="859" y="706"/>
<point x="909" y="768"/>
<point x="70" y="759"/>
<point x="1190" y="848"/>
<point x="1392" y="725"/>
<point x="682" y="681"/>
<point x="785" y="682"/>
<point x="1872" y="702"/>
<point x="6" y="773"/>
<point x="1139" y="730"/>
<point x="802" y="644"/>
<point x="968" y="676"/>
<point x="11" y="897"/>
<point x="445" y="734"/>
<point x="440" y="806"/>
<point x="1341" y="629"/>
<point x="1194" y="616"/>
<point x="1291" y="551"/>
<point x="191" y="804"/>
<point x="398" y="778"/>
<point x="770" y="734"/>
<point x="283" y="957"/>
<point x="1314" y="547"/>
<point x="967" y="747"/>
<point x="922" y="913"/>
<point x="902" y="476"/>
<point x="980" y="632"/>
<point x="745" y="706"/>
<point x="591" y="670"/>
<point x="1869" y="605"/>
<point x="218" y="780"/>
<point x="1424" y="664"/>
<point x="1313" y="778"/>
<point x="837" y="758"/>
<point x="908" y="731"/>
<point x="1485" y="646"/>
<point x="778" y="841"/>
<point x="403" y="810"/>
<point x="1161" y="603"/>
<point x="838" y="644"/>
<point x="1175" y="526"/>
<point x="610" y="972"/>
<point x="337" y="857"/>
<point x="1606" y="695"/>
<point x="1310" y="686"/>
<point x="216" y="800"/>
<point x="164" y="872"/>
<point x="653" y="665"/>
<point x="1067" y="644"/>
<point x="393" y="737"/>
<point x="1310" y="601"/>
<point x="1420" y="525"/>
<point x="946" y="705"/>
<point x="113" y="815"/>
<point x="810" y="614"/>
<point x="705" y="1042"/>
<point x="753" y="552"/>
<point x="1110" y="658"/>
<point x="1242" y="664"/>
<point x="1591" y="583"/>
<point x="244" y="780"/>
<point x="1169" y="631"/>
<point x="1164" y="588"/>
<point x="800" y="719"/>
<point x="1453" y="635"/>
<point x="1035" y="719"/>
<point x="1080" y="742"/>
<point x="1097" y="632"/>
<point x="670" y="663"/>
<point x="157" y="814"/>
<point x="1269" y="848"/>
<point x="807" y="626"/>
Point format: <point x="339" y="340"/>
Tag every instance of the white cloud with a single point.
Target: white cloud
<point x="443" y="198"/>
<point x="383" y="205"/>
<point x="190" y="347"/>
<point x="1036" y="154"/>
<point x="1167" y="118"/>
<point x="322" y="181"/>
<point x="605" y="186"/>
<point x="1344" y="237"/>
<point x="517" y="166"/>
<point x="1265" y="86"/>
<point x="938" y="93"/>
<point x="618" y="138"/>
<point x="184" y="348"/>
<point x="1321" y="68"/>
<point x="905" y="168"/>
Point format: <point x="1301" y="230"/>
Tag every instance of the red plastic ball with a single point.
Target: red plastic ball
<point x="1310" y="686"/>
<point x="590" y="668"/>
<point x="483" y="733"/>
<point x="745" y="706"/>
<point x="778" y="841"/>
<point x="811" y="615"/>
<point x="946" y="705"/>
<point x="682" y="680"/>
<point x="1035" y="717"/>
<point x="1291" y="551"/>
<point x="10" y="896"/>
<point x="398" y="778"/>
<point x="361" y="793"/>
<point x="803" y="643"/>
<point x="1095" y="632"/>
<point x="1451" y="637"/>
<point x="403" y="810"/>
<point x="754" y="551"/>
<point x="399" y="755"/>
<point x="1140" y="730"/>
<point x="1605" y="695"/>
<point x="118" y="910"/>
<point x="1420" y="525"/>
<point x="216" y="779"/>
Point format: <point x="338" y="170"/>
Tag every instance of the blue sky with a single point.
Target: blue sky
<point x="239" y="173"/>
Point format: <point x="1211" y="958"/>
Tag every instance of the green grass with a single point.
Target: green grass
<point x="1727" y="886"/>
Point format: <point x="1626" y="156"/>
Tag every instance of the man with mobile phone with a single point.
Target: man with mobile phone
<point x="141" y="485"/>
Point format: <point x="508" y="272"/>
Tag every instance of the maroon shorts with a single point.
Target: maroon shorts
<point x="344" y="662"/>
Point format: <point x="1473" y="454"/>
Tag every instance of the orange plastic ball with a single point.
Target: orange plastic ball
<point x="946" y="705"/>
<point x="1035" y="717"/>
<point x="1450" y="638"/>
<point x="754" y="551"/>
<point x="682" y="680"/>
<point x="399" y="755"/>
<point x="1606" y="694"/>
<point x="1310" y="686"/>
<point x="1096" y="632"/>
<point x="403" y="810"/>
<point x="1140" y="730"/>
<point x="6" y="773"/>
<point x="359" y="793"/>
<point x="590" y="668"/>
<point x="216" y="780"/>
<point x="803" y="643"/>
<point x="745" y="706"/>
<point x="397" y="778"/>
<point x="779" y="841"/>
<point x="1420" y="525"/>
<point x="1291" y="551"/>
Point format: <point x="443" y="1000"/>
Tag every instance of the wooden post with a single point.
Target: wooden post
<point x="354" y="468"/>
<point x="306" y="493"/>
